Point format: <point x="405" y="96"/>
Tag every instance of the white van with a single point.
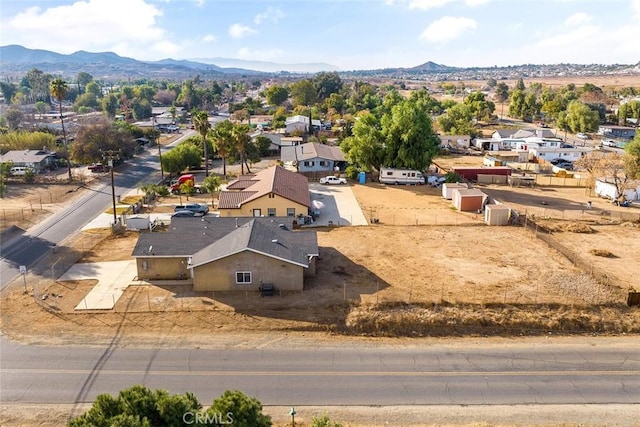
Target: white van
<point x="19" y="170"/>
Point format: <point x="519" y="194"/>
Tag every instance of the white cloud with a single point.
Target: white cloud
<point x="577" y="19"/>
<point x="209" y="38"/>
<point x="427" y="4"/>
<point x="260" y="54"/>
<point x="272" y="14"/>
<point x="475" y="2"/>
<point x="92" y="25"/>
<point x="447" y="28"/>
<point x="238" y="31"/>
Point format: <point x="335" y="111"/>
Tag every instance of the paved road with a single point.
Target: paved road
<point x="31" y="246"/>
<point x="348" y="375"/>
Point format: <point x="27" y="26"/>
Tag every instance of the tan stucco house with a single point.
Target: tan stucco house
<point x="228" y="254"/>
<point x="271" y="192"/>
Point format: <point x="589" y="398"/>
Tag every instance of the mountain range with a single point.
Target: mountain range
<point x="17" y="60"/>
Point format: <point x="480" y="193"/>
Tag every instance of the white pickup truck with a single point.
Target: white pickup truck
<point x="333" y="180"/>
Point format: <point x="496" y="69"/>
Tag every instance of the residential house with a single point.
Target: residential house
<point x="455" y="141"/>
<point x="300" y="124"/>
<point x="228" y="254"/>
<point x="533" y="132"/>
<point x="622" y="132"/>
<point x="548" y="154"/>
<point x="38" y="160"/>
<point x="314" y="157"/>
<point x="278" y="141"/>
<point x="271" y="192"/>
<point x="501" y="134"/>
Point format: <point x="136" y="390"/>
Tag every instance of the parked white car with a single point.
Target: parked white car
<point x="581" y="135"/>
<point x="333" y="180"/>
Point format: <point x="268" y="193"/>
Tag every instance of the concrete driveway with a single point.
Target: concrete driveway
<point x="336" y="203"/>
<point x="113" y="279"/>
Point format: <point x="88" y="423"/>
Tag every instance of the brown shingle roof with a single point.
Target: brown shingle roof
<point x="233" y="199"/>
<point x="276" y="180"/>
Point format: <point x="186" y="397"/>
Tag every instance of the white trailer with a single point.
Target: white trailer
<point x="401" y="176"/>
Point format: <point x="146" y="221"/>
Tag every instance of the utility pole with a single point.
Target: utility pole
<point x="110" y="156"/>
<point x="157" y="141"/>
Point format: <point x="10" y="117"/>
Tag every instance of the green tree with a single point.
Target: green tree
<point x="410" y="141"/>
<point x="83" y="80"/>
<point x="520" y="84"/>
<point x="212" y="185"/>
<point x="303" y="92"/>
<point x="632" y="158"/>
<point x="203" y="126"/>
<point x="87" y="100"/>
<point x="263" y="143"/>
<point x="109" y="105"/>
<point x="240" y="138"/>
<point x="365" y="148"/>
<point x="8" y="90"/>
<point x="94" y="140"/>
<point x="138" y="406"/>
<point x="41" y="107"/>
<point x="327" y="83"/>
<point x="276" y="95"/>
<point x="58" y="89"/>
<point x="581" y="118"/>
<point x="14" y="117"/>
<point x="457" y="120"/>
<point x="94" y="88"/>
<point x="502" y="94"/>
<point x="480" y="107"/>
<point x="223" y="142"/>
<point x="245" y="411"/>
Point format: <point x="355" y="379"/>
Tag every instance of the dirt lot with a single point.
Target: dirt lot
<point x="422" y="253"/>
<point x="447" y="275"/>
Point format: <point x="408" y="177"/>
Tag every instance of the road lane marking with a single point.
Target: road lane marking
<point x="315" y="374"/>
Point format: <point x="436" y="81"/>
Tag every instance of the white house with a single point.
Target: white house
<point x="548" y="154"/>
<point x="454" y="141"/>
<point x="300" y="124"/>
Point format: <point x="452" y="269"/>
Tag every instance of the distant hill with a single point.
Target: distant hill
<point x="430" y="66"/>
<point x="19" y="59"/>
<point x="268" y="67"/>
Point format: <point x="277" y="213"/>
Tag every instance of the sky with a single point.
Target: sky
<point x="348" y="34"/>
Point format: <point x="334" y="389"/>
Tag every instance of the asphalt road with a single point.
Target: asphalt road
<point x="34" y="244"/>
<point x="347" y="375"/>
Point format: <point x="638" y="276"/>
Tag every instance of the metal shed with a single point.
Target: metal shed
<point x="497" y="214"/>
<point x="468" y="200"/>
<point x="448" y="187"/>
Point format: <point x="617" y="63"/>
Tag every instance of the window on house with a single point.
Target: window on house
<point x="271" y="211"/>
<point x="323" y="163"/>
<point x="291" y="211"/>
<point x="272" y="196"/>
<point x="243" y="277"/>
<point x="309" y="163"/>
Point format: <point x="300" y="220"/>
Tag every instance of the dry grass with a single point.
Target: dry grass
<point x="417" y="320"/>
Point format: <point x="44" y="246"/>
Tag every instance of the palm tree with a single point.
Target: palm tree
<point x="221" y="135"/>
<point x="58" y="89"/>
<point x="202" y="125"/>
<point x="240" y="138"/>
